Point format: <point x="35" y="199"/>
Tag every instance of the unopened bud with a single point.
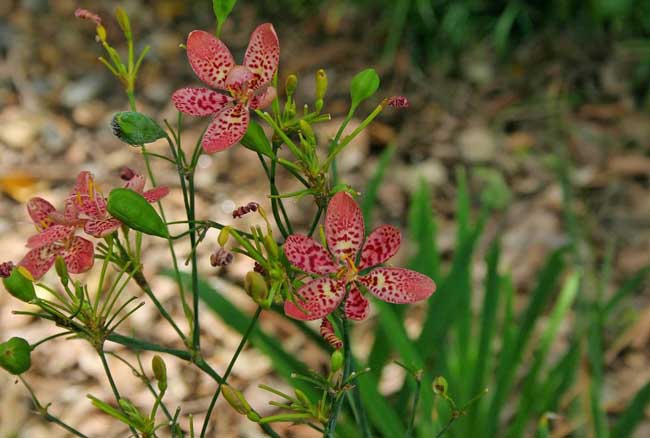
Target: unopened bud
<point x="61" y="270"/>
<point x="15" y="355"/>
<point x="398" y="102"/>
<point x="253" y="416"/>
<point x="5" y="269"/>
<point x="101" y="33"/>
<point x="221" y="257"/>
<point x="255" y="286"/>
<point x="307" y="132"/>
<point x="126" y="173"/>
<point x="224" y="234"/>
<point x="236" y="399"/>
<point x="85" y="14"/>
<point x="302" y="398"/>
<point x="321" y="84"/>
<point x="336" y="361"/>
<point x="20" y="284"/>
<point x="291" y="84"/>
<point x="123" y="21"/>
<point x="440" y="385"/>
<point x="160" y="372"/>
<point x="271" y="246"/>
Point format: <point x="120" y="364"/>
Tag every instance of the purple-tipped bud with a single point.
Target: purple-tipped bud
<point x="85" y="14"/>
<point x="259" y="268"/>
<point x="245" y="209"/>
<point x="127" y="173"/>
<point x="5" y="269"/>
<point x="221" y="257"/>
<point x="398" y="102"/>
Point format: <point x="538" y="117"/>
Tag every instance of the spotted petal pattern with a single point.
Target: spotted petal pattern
<point x="199" y="101"/>
<point x="308" y="255"/>
<point x="50" y="235"/>
<point x="79" y="256"/>
<point x="264" y="99"/>
<point x="226" y="129"/>
<point x="262" y="55"/>
<point x="380" y="246"/>
<point x="156" y="194"/>
<point x="210" y="58"/>
<point x="39" y="210"/>
<point x="344" y="226"/>
<point x="316" y="299"/>
<point x="356" y="305"/>
<point x="39" y="260"/>
<point x="398" y="285"/>
<point x="101" y="227"/>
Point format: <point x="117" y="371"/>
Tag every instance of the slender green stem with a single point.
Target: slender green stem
<point x="42" y="410"/>
<point x="416" y="399"/>
<point x="335" y="141"/>
<point x="111" y="381"/>
<point x="314" y="224"/>
<point x="49" y="338"/>
<point x="274" y="201"/>
<point x="347" y="369"/>
<point x="196" y="329"/>
<point x="240" y="347"/>
<point x="284" y="417"/>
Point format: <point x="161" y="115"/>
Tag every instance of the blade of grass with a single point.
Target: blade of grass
<point x="633" y="414"/>
<point x="369" y="200"/>
<point x="595" y="354"/>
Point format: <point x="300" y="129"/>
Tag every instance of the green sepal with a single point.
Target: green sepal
<point x="135" y="128"/>
<point x="134" y="211"/>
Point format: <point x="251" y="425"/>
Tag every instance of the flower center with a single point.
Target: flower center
<point x="348" y="271"/>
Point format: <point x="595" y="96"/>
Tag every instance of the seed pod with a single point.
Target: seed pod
<point x="20" y="285"/>
<point x="235" y="399"/>
<point x="336" y="361"/>
<point x="302" y="398"/>
<point x="363" y="86"/>
<point x="15" y="355"/>
<point x="224" y="234"/>
<point x="160" y="372"/>
<point x="255" y="286"/>
<point x="307" y="132"/>
<point x="101" y="33"/>
<point x="135" y="128"/>
<point x="61" y="270"/>
<point x="135" y="212"/>
<point x="271" y="246"/>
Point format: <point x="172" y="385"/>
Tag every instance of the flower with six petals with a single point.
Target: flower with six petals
<point x="341" y="266"/>
<point x="248" y="84"/>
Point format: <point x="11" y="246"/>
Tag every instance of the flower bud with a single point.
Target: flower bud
<point x="224" y="234"/>
<point x="20" y="284"/>
<point x="123" y="21"/>
<point x="134" y="211"/>
<point x="302" y="398"/>
<point x="336" y="361"/>
<point x="236" y="399"/>
<point x="221" y="257"/>
<point x="15" y="355"/>
<point x="6" y="268"/>
<point x="398" y="102"/>
<point x="101" y="33"/>
<point x="440" y="386"/>
<point x="307" y="132"/>
<point x="255" y="286"/>
<point x="61" y="270"/>
<point x="126" y="173"/>
<point x="271" y="246"/>
<point x="253" y="416"/>
<point x="291" y="84"/>
<point x="160" y="372"/>
<point x="321" y="84"/>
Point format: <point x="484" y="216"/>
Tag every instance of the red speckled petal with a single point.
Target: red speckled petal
<point x="308" y="255"/>
<point x="101" y="227"/>
<point x="227" y="128"/>
<point x="318" y="298"/>
<point x="55" y="233"/>
<point x="264" y="99"/>
<point x="398" y="285"/>
<point x="356" y="305"/>
<point x="39" y="210"/>
<point x="79" y="257"/>
<point x="39" y="260"/>
<point x="210" y="58"/>
<point x="156" y="194"/>
<point x="262" y="55"/>
<point x="86" y="198"/>
<point x="380" y="245"/>
<point x="136" y="183"/>
<point x="199" y="101"/>
<point x="344" y="226"/>
<point x="238" y="80"/>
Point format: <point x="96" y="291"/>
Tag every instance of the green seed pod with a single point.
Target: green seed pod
<point x="135" y="128"/>
<point x="20" y="285"/>
<point x="135" y="212"/>
<point x="235" y="399"/>
<point x="321" y="84"/>
<point x="291" y="84"/>
<point x="440" y="386"/>
<point x="307" y="132"/>
<point x="224" y="234"/>
<point x="15" y="355"/>
<point x="271" y="246"/>
<point x="302" y="398"/>
<point x="255" y="286"/>
<point x="61" y="270"/>
<point x="363" y="86"/>
<point x="336" y="361"/>
<point x="159" y="372"/>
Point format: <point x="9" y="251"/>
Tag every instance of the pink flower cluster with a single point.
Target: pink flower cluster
<point x="84" y="208"/>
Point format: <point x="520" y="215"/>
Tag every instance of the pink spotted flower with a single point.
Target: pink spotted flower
<point x="248" y="84"/>
<point x="341" y="264"/>
<point x="56" y="237"/>
<point x="91" y="203"/>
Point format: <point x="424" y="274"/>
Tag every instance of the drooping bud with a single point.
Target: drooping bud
<point x="126" y="173"/>
<point x="440" y="386"/>
<point x="245" y="209"/>
<point x="398" y="102"/>
<point x="336" y="361"/>
<point x="5" y="269"/>
<point x="236" y="399"/>
<point x="20" y="284"/>
<point x="85" y="14"/>
<point x="61" y="270"/>
<point x="160" y="372"/>
<point x="15" y="355"/>
<point x="327" y="332"/>
<point x="255" y="286"/>
<point x="221" y="257"/>
<point x="291" y="84"/>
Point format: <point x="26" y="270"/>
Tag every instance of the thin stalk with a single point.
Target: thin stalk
<point x="196" y="328"/>
<point x="274" y="201"/>
<point x="49" y="338"/>
<point x="314" y="224"/>
<point x="416" y="399"/>
<point x="347" y="369"/>
<point x="116" y="393"/>
<point x="102" y="275"/>
<point x="240" y="347"/>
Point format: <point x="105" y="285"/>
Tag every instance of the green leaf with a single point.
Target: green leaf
<point x="633" y="414"/>
<point x="222" y="9"/>
<point x="134" y="211"/>
<point x="135" y="128"/>
<point x="15" y="355"/>
<point x="255" y="139"/>
<point x="363" y="86"/>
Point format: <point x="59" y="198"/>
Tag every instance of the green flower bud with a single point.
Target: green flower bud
<point x="363" y="86"/>
<point x="61" y="270"/>
<point x="291" y="84"/>
<point x="271" y="246"/>
<point x="224" y="234"/>
<point x="440" y="386"/>
<point x="135" y="212"/>
<point x="321" y="84"/>
<point x="15" y="355"/>
<point x="236" y="399"/>
<point x="135" y="128"/>
<point x="20" y="284"/>
<point x="336" y="361"/>
<point x="101" y="33"/>
<point x="255" y="286"/>
<point x="123" y="21"/>
<point x="302" y="398"/>
<point x="159" y="372"/>
<point x="307" y="132"/>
